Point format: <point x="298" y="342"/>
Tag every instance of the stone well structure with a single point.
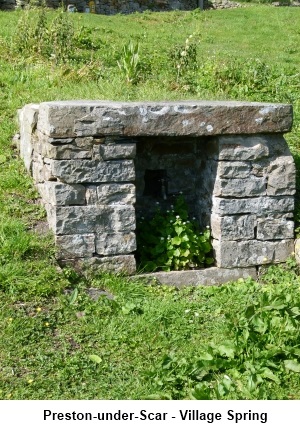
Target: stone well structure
<point x="100" y="166"/>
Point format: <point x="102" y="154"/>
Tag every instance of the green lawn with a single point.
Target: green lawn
<point x="134" y="341"/>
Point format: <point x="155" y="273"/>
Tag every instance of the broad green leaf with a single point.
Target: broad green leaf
<point x="128" y="308"/>
<point x="205" y="356"/>
<point x="250" y="311"/>
<point x="74" y="296"/>
<point x="292" y="365"/>
<point x="176" y="240"/>
<point x="226" y="349"/>
<point x="275" y="305"/>
<point x="2" y="159"/>
<point x="201" y="392"/>
<point x="95" y="358"/>
<point x="295" y="310"/>
<point x="259" y="324"/>
<point x="209" y="260"/>
<point x="252" y="383"/>
<point x="178" y="230"/>
<point x="267" y="373"/>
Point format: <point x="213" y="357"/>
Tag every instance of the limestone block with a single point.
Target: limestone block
<point x="277" y="145"/>
<point x="259" y="167"/>
<point x="255" y="205"/>
<point x="76" y="245"/>
<point x="68" y="149"/>
<point x="70" y="220"/>
<point x="283" y="250"/>
<point x="234" y="227"/>
<point x="247" y="187"/>
<point x="118" y="151"/>
<point x="282" y="177"/>
<point x="242" y="148"/>
<point x="37" y="172"/>
<point x="59" y="194"/>
<point x="271" y="229"/>
<point x="251" y="253"/>
<point x="233" y="169"/>
<point x="80" y="171"/>
<point x="110" y="194"/>
<point x="28" y="117"/>
<point x="47" y="172"/>
<point x="114" y="218"/>
<point x="119" y="263"/>
<point x="113" y="244"/>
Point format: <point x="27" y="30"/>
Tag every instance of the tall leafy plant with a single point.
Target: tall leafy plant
<point x="130" y="64"/>
<point x="171" y="241"/>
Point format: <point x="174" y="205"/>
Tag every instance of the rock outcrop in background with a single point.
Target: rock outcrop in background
<point x="112" y="7"/>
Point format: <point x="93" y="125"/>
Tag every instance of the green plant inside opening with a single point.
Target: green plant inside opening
<point x="172" y="241"/>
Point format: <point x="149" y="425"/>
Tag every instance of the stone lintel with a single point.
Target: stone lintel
<point x="184" y="118"/>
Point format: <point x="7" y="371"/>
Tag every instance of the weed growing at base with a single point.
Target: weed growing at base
<point x="171" y="241"/>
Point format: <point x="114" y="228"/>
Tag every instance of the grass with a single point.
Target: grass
<point x="237" y="341"/>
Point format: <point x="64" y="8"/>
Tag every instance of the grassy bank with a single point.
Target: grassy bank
<point x="238" y="341"/>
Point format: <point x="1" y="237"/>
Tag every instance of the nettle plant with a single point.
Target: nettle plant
<point x="171" y="241"/>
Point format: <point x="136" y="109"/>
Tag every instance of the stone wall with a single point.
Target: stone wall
<point x="112" y="7"/>
<point x="88" y="160"/>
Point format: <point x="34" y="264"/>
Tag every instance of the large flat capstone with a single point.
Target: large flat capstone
<point x="184" y="118"/>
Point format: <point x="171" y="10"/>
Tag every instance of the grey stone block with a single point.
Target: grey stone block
<point x="242" y="148"/>
<point x="71" y="220"/>
<point x="66" y="220"/>
<point x="59" y="194"/>
<point x="247" y="187"/>
<point x="232" y="254"/>
<point x="77" y="149"/>
<point x="255" y="205"/>
<point x="272" y="229"/>
<point x="110" y="194"/>
<point x="76" y="245"/>
<point x="281" y="177"/>
<point x="114" y="218"/>
<point x="115" y="243"/>
<point x="233" y="169"/>
<point x="37" y="172"/>
<point x="119" y="263"/>
<point x="234" y="227"/>
<point x="28" y="117"/>
<point x="81" y="171"/>
<point x="118" y="151"/>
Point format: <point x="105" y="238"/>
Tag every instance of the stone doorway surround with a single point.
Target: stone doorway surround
<point x="82" y="156"/>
